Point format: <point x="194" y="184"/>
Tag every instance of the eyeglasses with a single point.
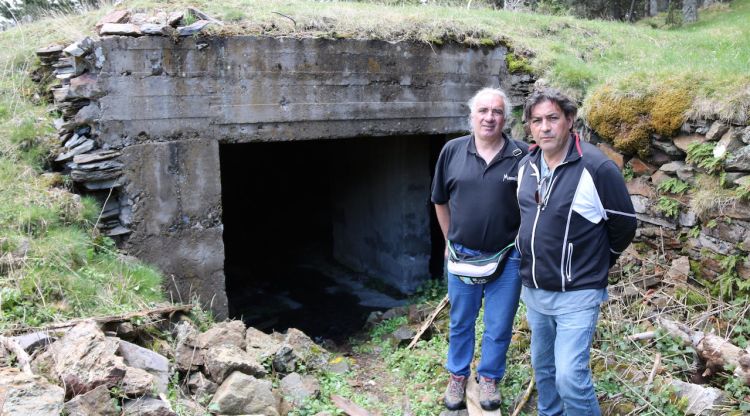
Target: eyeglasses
<point x="542" y="188"/>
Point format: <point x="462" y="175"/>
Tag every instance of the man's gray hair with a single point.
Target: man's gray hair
<point x="567" y="105"/>
<point x="497" y="92"/>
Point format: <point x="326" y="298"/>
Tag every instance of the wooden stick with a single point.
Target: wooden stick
<point x="202" y="15"/>
<point x="654" y="369"/>
<point x="348" y="406"/>
<point x="167" y="310"/>
<point x="24" y="360"/>
<point x="642" y="335"/>
<point x="524" y="398"/>
<point x="430" y="319"/>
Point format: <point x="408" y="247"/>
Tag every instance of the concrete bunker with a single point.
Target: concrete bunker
<point x="202" y="139"/>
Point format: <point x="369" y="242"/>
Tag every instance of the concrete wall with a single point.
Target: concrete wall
<point x="167" y="104"/>
<point x="246" y="88"/>
<point x="381" y="222"/>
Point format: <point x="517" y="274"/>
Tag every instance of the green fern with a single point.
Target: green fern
<point x="702" y="155"/>
<point x="673" y="186"/>
<point x="669" y="207"/>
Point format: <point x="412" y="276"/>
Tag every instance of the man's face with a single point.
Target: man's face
<point x="488" y="117"/>
<point x="550" y="128"/>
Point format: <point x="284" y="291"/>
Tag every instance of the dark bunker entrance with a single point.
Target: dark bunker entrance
<point x="320" y="233"/>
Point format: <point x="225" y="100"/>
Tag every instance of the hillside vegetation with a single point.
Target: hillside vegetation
<point x="54" y="265"/>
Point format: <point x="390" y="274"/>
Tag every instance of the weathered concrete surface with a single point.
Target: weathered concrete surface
<point x="168" y="104"/>
<point x="381" y="212"/>
<point x="176" y="190"/>
<point x="246" y="88"/>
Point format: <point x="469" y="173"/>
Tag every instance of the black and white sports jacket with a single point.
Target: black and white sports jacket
<point x="569" y="239"/>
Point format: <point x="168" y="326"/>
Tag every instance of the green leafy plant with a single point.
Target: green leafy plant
<point x="627" y="172"/>
<point x="668" y="206"/>
<point x="673" y="186"/>
<point x="729" y="283"/>
<point x="702" y="155"/>
<point x="694" y="232"/>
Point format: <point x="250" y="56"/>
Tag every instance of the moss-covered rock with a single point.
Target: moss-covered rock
<point x="668" y="107"/>
<point x="517" y="64"/>
<point x="628" y="120"/>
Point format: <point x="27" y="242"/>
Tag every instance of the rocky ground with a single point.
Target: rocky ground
<point x="159" y="369"/>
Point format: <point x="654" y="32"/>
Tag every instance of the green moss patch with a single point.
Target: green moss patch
<point x="627" y="121"/>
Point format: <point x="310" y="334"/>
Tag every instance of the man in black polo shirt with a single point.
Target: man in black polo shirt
<point x="474" y="192"/>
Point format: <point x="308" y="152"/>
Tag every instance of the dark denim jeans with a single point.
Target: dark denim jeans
<point x="500" y="305"/>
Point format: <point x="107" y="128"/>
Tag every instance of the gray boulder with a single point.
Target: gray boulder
<point x="296" y="388"/>
<point x="147" y="406"/>
<point x="137" y="382"/>
<point x="260" y="345"/>
<point x="96" y="402"/>
<point x="120" y="29"/>
<point x="223" y="333"/>
<point x="84" y="359"/>
<point x="701" y="399"/>
<point x="188" y="354"/>
<point x="223" y="360"/>
<point x="154" y="363"/>
<point x="201" y="388"/>
<point x="739" y="160"/>
<point x="313" y="355"/>
<point x="27" y="394"/>
<point x="718" y="128"/>
<point x="242" y="394"/>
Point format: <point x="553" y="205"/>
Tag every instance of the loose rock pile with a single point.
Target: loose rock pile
<point x="224" y="370"/>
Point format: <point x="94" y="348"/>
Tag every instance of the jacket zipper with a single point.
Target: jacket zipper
<point x="533" y="231"/>
<point x="570" y="262"/>
<point x="539" y="208"/>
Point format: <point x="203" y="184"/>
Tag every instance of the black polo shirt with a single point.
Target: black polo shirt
<point x="481" y="197"/>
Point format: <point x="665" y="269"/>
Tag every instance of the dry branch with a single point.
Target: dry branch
<point x="203" y="16"/>
<point x="642" y="335"/>
<point x="430" y="319"/>
<point x="24" y="361"/>
<point x="348" y="407"/>
<point x="654" y="369"/>
<point x="715" y="350"/>
<point x="524" y="398"/>
<point x="167" y="310"/>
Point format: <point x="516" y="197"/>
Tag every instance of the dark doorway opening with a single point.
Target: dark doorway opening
<point x="318" y="234"/>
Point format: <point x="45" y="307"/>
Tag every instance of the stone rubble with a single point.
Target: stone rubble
<point x="26" y="394"/>
<point x="96" y="372"/>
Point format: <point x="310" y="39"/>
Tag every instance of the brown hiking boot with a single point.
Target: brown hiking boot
<point x="489" y="394"/>
<point x="455" y="393"/>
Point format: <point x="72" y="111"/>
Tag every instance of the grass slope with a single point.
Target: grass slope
<point x="578" y="55"/>
<point x="53" y="265"/>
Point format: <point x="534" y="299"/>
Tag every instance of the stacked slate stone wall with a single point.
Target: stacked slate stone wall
<point x="708" y="230"/>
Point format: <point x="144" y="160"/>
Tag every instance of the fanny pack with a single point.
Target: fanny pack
<point x="476" y="269"/>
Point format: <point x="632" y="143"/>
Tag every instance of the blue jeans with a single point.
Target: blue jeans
<point x="500" y="305"/>
<point x="560" y="353"/>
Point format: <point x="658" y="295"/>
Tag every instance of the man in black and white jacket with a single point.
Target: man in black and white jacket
<point x="576" y="219"/>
